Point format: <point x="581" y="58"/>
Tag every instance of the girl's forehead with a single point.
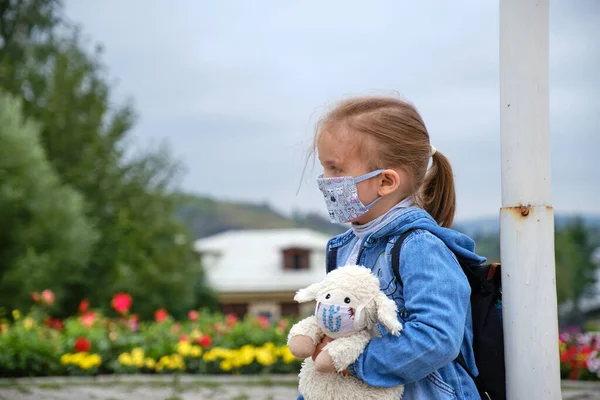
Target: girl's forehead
<point x="343" y="149"/>
<point x="338" y="145"/>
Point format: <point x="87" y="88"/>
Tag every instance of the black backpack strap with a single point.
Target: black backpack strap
<point x="480" y="386"/>
<point x="396" y="255"/>
<point x="331" y="263"/>
<point x="396" y="269"/>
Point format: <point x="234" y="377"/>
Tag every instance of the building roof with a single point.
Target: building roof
<point x="252" y="260"/>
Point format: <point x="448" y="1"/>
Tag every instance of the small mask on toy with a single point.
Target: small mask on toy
<point x="340" y="319"/>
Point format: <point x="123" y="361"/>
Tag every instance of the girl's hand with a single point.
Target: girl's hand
<point x="326" y="339"/>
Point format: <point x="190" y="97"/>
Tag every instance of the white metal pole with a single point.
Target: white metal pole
<point x="527" y="217"/>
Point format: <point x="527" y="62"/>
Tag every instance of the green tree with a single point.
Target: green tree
<point x="44" y="233"/>
<point x="575" y="270"/>
<point x="142" y="248"/>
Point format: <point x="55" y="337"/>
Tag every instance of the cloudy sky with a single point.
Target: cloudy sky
<point x="235" y="87"/>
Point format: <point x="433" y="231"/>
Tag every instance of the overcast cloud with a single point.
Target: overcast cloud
<point x="235" y="87"/>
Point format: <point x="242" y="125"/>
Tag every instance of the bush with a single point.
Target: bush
<point x="90" y="343"/>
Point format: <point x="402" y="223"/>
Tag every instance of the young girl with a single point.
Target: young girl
<point x="375" y="153"/>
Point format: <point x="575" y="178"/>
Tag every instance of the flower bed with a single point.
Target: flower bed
<point x="579" y="355"/>
<point x="91" y="344"/>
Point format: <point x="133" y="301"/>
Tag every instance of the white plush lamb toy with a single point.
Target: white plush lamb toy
<point x="349" y="305"/>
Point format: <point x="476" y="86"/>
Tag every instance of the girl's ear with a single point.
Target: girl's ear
<point x="386" y="314"/>
<point x="308" y="294"/>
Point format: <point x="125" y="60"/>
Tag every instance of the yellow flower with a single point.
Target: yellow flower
<point x="265" y="357"/>
<point x="28" y="323"/>
<point x="125" y="359"/>
<point x="184" y="348"/>
<point x="226" y="365"/>
<point x="150" y="363"/>
<point x="209" y="356"/>
<point x="159" y="367"/>
<point x="195" y="334"/>
<point x="77" y="358"/>
<point x="137" y="353"/>
<point x="16" y="314"/>
<point x="196" y="351"/>
<point x="287" y="355"/>
<point x="65" y="359"/>
<point x="85" y="364"/>
<point x="95" y="360"/>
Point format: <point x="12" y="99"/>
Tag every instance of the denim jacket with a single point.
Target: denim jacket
<point x="433" y="305"/>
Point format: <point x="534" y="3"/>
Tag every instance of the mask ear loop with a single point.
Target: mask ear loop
<point x="368" y="176"/>
<point x="359" y="310"/>
<point x="364" y="178"/>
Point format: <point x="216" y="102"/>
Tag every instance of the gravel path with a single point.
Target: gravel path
<point x="189" y="388"/>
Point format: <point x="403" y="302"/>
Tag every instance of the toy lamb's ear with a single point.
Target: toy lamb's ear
<point x="386" y="314"/>
<point x="309" y="293"/>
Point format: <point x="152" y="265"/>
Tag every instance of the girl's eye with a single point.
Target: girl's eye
<point x="347" y="300"/>
<point x="328" y="296"/>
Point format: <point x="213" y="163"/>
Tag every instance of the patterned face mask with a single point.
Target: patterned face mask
<point x="341" y="197"/>
<point x="339" y="320"/>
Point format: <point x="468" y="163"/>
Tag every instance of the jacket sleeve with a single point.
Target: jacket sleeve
<point x="436" y="296"/>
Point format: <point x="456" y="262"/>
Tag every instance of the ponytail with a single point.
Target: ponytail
<point x="437" y="195"/>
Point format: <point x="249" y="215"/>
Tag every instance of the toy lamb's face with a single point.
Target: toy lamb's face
<point x="348" y="301"/>
<point x="340" y="313"/>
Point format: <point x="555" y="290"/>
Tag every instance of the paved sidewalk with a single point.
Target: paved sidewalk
<point x="189" y="387"/>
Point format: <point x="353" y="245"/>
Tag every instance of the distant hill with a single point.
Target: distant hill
<point x="491" y="225"/>
<point x="206" y="216"/>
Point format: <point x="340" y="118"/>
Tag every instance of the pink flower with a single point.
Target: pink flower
<point x="47" y="297"/>
<point x="88" y="319"/>
<point x="193" y="315"/>
<point x="231" y="319"/>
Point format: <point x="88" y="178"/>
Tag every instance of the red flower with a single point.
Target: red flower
<point x="160" y="315"/>
<point x="231" y="319"/>
<point x="263" y="321"/>
<point x="183" y="338"/>
<point x="82" y="345"/>
<point x="204" y="341"/>
<point x="175" y="328"/>
<point x="121" y="302"/>
<point x="35" y="296"/>
<point x="47" y="297"/>
<point x="54" y="323"/>
<point x="88" y="319"/>
<point x="193" y="315"/>
<point x="84" y="305"/>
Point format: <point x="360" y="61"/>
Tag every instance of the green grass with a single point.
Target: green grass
<point x="49" y="385"/>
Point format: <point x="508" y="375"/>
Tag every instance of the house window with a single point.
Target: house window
<point x="296" y="259"/>
<point x="290" y="309"/>
<point x="238" y="309"/>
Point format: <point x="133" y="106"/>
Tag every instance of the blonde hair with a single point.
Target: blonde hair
<point x="397" y="138"/>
